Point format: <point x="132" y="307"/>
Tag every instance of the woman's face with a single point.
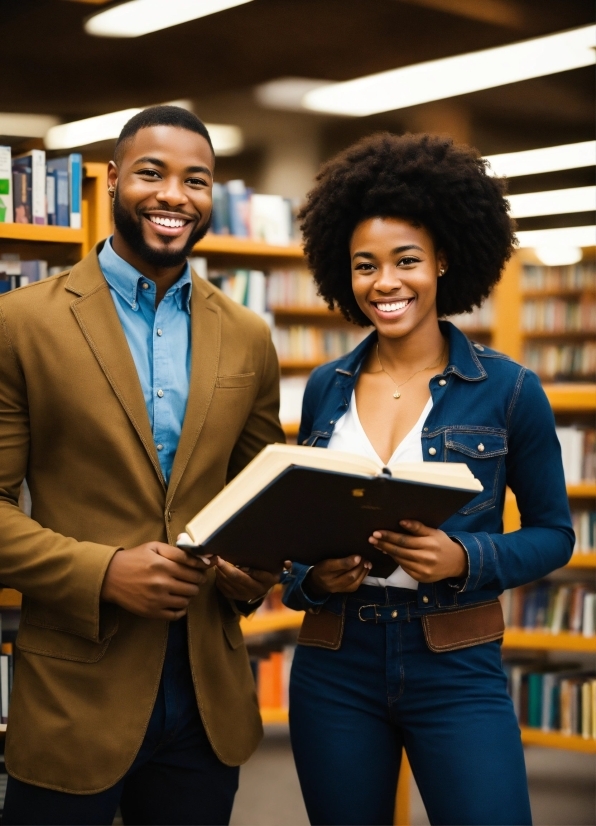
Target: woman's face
<point x="394" y="275"/>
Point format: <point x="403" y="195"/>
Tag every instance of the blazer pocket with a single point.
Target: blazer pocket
<point x="42" y="632"/>
<point x="233" y="633"/>
<point x="239" y="380"/>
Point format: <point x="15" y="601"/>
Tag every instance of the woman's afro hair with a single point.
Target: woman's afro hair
<point x="425" y="179"/>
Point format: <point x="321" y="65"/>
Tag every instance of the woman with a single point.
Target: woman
<point x="400" y="231"/>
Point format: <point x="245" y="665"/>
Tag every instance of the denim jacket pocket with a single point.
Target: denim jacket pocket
<point x="483" y="451"/>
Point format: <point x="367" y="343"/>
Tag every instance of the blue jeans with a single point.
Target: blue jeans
<point x="352" y="711"/>
<point x="176" y="777"/>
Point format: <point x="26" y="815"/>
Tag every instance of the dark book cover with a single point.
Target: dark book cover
<point x="21" y="189"/>
<point x="307" y="515"/>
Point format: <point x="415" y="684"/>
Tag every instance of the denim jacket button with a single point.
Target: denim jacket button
<point x="425" y="600"/>
<point x="480" y="448"/>
<point x="442" y="382"/>
<point x="432" y="451"/>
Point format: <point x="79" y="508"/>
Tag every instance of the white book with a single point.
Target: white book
<point x="38" y="184"/>
<point x="269" y="219"/>
<point x="6" y="213"/>
<point x="588" y="619"/>
<point x="4" y="687"/>
<point x="256" y="300"/>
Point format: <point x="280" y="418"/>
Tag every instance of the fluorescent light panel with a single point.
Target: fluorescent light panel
<point x="553" y="202"/>
<point x="547" y="159"/>
<point x="458" y="75"/>
<point x="560" y="237"/>
<point x="139" y="17"/>
<point x="226" y="139"/>
<point x="14" y="124"/>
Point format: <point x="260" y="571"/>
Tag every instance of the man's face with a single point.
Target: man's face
<point x="163" y="193"/>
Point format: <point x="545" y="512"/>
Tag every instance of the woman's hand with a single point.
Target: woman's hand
<point x="333" y="576"/>
<point x="426" y="554"/>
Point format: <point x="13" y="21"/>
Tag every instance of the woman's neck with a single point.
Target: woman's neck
<point x="419" y="349"/>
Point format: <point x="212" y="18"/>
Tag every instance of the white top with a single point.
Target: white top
<point x="349" y="435"/>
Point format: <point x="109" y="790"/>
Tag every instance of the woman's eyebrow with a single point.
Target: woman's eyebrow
<point x="396" y="251"/>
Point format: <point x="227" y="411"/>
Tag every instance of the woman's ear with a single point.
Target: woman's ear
<point x="442" y="262"/>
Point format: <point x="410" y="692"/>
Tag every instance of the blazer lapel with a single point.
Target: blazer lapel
<point x="95" y="312"/>
<point x="205" y="337"/>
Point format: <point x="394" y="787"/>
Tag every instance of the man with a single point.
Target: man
<point x="130" y="392"/>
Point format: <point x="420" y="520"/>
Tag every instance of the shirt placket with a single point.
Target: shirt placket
<point x="162" y="424"/>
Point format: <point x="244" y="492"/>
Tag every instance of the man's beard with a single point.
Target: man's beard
<point x="129" y="228"/>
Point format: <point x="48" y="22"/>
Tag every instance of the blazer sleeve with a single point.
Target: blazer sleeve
<point x="38" y="562"/>
<point x="262" y="426"/>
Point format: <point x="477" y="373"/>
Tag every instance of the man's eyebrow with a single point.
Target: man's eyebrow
<point x="162" y="165"/>
<point x="396" y="251"/>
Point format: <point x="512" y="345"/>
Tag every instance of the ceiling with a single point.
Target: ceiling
<point x="49" y="65"/>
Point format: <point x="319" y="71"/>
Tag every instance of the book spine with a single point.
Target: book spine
<point x="6" y="211"/>
<point x="75" y="176"/>
<point x="51" y="198"/>
<point x="38" y="187"/>
<point x="21" y="186"/>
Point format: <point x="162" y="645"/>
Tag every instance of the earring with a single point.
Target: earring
<point x="111" y="191"/>
<point x="441" y="272"/>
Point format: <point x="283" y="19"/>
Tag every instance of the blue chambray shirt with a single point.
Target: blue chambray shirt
<point x="160" y="343"/>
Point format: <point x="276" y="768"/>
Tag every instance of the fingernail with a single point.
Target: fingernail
<point x="372" y="540"/>
<point x="405" y="522"/>
<point x="378" y="534"/>
<point x="357" y="559"/>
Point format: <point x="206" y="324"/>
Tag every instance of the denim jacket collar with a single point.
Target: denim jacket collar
<point x="463" y="358"/>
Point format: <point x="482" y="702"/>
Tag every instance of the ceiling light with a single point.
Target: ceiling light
<point x="14" y="124"/>
<point x="555" y="256"/>
<point x="553" y="202"/>
<point x="139" y="17"/>
<point x="560" y="237"/>
<point x="89" y="130"/>
<point x="548" y="159"/>
<point x="226" y="139"/>
<point x="287" y="92"/>
<point x="458" y="75"/>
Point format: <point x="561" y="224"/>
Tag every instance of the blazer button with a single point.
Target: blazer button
<point x="432" y="451"/>
<point x="169" y="516"/>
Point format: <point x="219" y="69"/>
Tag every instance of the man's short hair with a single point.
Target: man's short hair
<point x="160" y="116"/>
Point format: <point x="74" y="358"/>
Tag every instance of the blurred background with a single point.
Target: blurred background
<point x="283" y="85"/>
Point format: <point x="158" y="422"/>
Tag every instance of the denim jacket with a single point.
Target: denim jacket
<point x="491" y="413"/>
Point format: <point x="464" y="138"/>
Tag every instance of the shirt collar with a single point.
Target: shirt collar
<point x="463" y="357"/>
<point x="124" y="279"/>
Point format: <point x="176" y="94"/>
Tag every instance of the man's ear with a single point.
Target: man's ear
<point x="112" y="177"/>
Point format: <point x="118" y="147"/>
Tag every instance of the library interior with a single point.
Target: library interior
<point x="283" y="86"/>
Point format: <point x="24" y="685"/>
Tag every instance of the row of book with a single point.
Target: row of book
<point x="569" y="277"/>
<point x="562" y="362"/>
<point x="552" y="607"/>
<point x="239" y="211"/>
<point x="559" y="315"/>
<point x="15" y="273"/>
<point x="34" y="190"/>
<point x="480" y="318"/>
<point x="553" y="697"/>
<point x="293" y="288"/>
<point x="584" y="525"/>
<point x="578" y="451"/>
<point x="298" y="342"/>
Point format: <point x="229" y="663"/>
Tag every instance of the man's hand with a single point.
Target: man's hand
<point x="426" y="554"/>
<point x="333" y="576"/>
<point x="153" y="580"/>
<point x="243" y="584"/>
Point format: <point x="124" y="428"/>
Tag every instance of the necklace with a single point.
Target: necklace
<point x="397" y="394"/>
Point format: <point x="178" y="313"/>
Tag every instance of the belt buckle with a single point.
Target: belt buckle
<point x="364" y="619"/>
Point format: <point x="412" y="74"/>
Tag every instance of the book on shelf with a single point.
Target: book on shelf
<point x="271" y="219"/>
<point x="57" y="189"/>
<point x="292" y="288"/>
<point x="6" y="214"/>
<point x="307" y="504"/>
<point x="68" y="170"/>
<point x="271" y="671"/>
<point x="584" y="525"/>
<point x="32" y="208"/>
<point x="559" y="315"/>
<point x="238" y="208"/>
<point x="240" y="212"/>
<point x="537" y="278"/>
<point x="553" y="697"/>
<point x="552" y="607"/>
<point x="15" y="273"/>
<point x="578" y="451"/>
<point x="302" y="342"/>
<point x="291" y="393"/>
<point x="562" y="361"/>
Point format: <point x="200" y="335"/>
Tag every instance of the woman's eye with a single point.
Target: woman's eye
<point x="408" y="260"/>
<point x="364" y="266"/>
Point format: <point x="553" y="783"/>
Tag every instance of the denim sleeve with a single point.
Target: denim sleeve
<point x="535" y="475"/>
<point x="294" y="596"/>
<point x="309" y="406"/>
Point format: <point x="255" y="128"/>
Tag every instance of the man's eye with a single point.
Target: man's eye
<point x="149" y="173"/>
<point x="196" y="182"/>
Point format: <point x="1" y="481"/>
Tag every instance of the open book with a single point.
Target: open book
<point x="311" y="503"/>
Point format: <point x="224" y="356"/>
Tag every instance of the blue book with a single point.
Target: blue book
<point x="57" y="191"/>
<point x="220" y="215"/>
<point x="239" y="206"/>
<point x="72" y="166"/>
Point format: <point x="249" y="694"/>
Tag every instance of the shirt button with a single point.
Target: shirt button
<point x="442" y="382"/>
<point x="159" y="332"/>
<point x="160" y="447"/>
<point x="425" y="600"/>
<point x="160" y="393"/>
<point x="144" y="285"/>
<point x="432" y="451"/>
<point x="394" y="614"/>
<point x="481" y="448"/>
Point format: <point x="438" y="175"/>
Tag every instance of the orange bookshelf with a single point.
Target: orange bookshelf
<point x="544" y="640"/>
<point x="9" y="598"/>
<point x="270" y="621"/>
<point x="231" y="245"/>
<point x="571" y="398"/>
<point x="582" y="560"/>
<point x="300" y="366"/>
<point x="43" y="234"/>
<point x="556" y="740"/>
<point x="583" y="490"/>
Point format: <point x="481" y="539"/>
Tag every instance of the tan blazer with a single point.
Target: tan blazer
<point x="73" y="421"/>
